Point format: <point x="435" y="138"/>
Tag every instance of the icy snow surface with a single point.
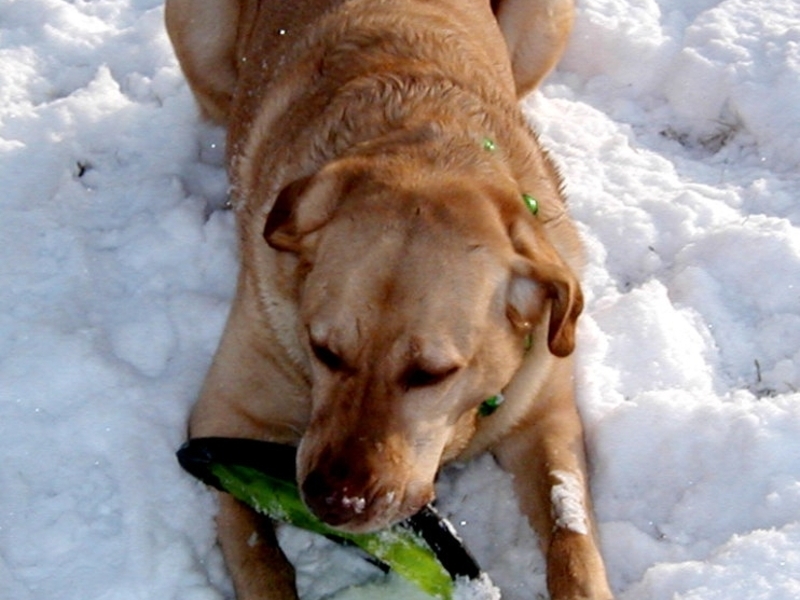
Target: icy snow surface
<point x="677" y="126"/>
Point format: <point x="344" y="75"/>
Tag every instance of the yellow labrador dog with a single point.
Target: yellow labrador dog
<point x="405" y="255"/>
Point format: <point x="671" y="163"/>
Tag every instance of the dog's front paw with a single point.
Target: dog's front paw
<point x="575" y="569"/>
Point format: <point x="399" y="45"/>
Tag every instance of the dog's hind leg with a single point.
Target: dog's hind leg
<point x="536" y="32"/>
<point x="203" y="33"/>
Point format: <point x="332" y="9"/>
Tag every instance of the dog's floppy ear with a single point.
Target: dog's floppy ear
<point x="303" y="206"/>
<point x="540" y="274"/>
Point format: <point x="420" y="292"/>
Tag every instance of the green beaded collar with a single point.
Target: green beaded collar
<point x="531" y="202"/>
<point x="490" y="405"/>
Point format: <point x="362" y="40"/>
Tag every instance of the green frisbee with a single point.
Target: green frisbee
<point x="423" y="549"/>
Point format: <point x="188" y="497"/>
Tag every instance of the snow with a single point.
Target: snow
<point x="569" y="506"/>
<point x="677" y="126"/>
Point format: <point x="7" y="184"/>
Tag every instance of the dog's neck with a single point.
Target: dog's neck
<point x="490" y="405"/>
<point x="355" y="121"/>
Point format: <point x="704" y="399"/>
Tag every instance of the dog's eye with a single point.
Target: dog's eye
<point x="416" y="378"/>
<point x="327" y="357"/>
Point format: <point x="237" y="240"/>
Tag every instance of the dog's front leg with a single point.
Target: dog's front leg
<point x="248" y="395"/>
<point x="545" y="454"/>
<point x="258" y="567"/>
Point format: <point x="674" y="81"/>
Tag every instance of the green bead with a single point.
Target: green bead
<point x="490" y="405"/>
<point x="532" y="203"/>
<point x="489" y="145"/>
<point x="528" y="342"/>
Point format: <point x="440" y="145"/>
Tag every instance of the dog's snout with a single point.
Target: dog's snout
<point x="328" y="495"/>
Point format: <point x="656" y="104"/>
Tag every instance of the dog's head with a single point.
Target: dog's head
<point x="417" y="294"/>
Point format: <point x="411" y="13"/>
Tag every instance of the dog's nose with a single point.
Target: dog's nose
<point x="328" y="496"/>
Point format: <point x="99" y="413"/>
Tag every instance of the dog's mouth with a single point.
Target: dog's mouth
<point x="359" y="501"/>
<point x="355" y="510"/>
